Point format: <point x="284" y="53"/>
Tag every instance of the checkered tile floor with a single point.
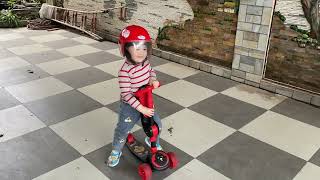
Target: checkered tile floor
<point x="59" y="100"/>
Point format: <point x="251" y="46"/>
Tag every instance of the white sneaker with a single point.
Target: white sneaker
<point x="114" y="158"/>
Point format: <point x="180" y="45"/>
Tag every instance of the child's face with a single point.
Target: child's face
<point x="138" y="52"/>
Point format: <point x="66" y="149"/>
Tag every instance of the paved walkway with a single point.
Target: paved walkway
<point x="59" y="102"/>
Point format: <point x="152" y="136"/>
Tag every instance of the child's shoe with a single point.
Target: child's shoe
<point x="147" y="140"/>
<point x="114" y="158"/>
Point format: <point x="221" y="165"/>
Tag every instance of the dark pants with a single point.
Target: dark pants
<point x="128" y="117"/>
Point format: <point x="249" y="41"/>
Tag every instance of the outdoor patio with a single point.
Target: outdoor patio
<point x="59" y="99"/>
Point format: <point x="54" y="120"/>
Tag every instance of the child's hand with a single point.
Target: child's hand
<point x="146" y="111"/>
<point x="155" y="84"/>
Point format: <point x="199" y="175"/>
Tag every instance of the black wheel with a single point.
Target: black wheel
<point x="160" y="161"/>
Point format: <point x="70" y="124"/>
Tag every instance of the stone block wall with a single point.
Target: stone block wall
<point x="150" y="14"/>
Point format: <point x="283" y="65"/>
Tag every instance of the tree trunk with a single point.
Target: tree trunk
<point x="311" y="12"/>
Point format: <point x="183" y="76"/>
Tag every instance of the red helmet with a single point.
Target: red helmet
<point x="133" y="33"/>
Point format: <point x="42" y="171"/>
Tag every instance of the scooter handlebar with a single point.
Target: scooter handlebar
<point x="144" y="95"/>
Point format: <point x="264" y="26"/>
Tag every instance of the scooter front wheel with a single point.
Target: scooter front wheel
<point x="145" y="171"/>
<point x="173" y="160"/>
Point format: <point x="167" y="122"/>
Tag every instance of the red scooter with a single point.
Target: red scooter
<point x="153" y="159"/>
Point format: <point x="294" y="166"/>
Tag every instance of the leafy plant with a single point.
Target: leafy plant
<point x="305" y="39"/>
<point x="297" y="29"/>
<point x="294" y="27"/>
<point x="162" y="34"/>
<point x="11" y="3"/>
<point x="282" y="18"/>
<point x="8" y="18"/>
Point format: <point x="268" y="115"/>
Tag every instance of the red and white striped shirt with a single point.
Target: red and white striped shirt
<point x="131" y="77"/>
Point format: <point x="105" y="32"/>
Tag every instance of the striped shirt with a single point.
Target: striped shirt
<point x="131" y="78"/>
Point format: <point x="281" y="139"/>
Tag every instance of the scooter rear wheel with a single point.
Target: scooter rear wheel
<point x="145" y="171"/>
<point x="173" y="160"/>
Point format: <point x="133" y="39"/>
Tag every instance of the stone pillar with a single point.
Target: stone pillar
<point x="254" y="24"/>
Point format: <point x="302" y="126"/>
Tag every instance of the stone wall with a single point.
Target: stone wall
<point x="90" y="5"/>
<point x="150" y="14"/>
<point x="290" y="64"/>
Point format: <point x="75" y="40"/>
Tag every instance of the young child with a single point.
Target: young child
<point x="136" y="71"/>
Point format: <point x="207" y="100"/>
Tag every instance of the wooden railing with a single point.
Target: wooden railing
<point x="85" y="21"/>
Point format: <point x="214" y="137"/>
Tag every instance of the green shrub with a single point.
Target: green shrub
<point x="8" y="18"/>
<point x="11" y="3"/>
<point x="282" y="18"/>
<point x="162" y="34"/>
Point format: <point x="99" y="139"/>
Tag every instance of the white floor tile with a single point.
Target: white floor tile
<point x="62" y="65"/>
<point x="47" y="38"/>
<point x="10" y="36"/>
<point x="290" y="135"/>
<point x="79" y="169"/>
<point x="78" y="50"/>
<point x="193" y="133"/>
<point x="111" y="68"/>
<point x="308" y="172"/>
<point x="114" y="52"/>
<point x="184" y="93"/>
<point x="17" y="121"/>
<point x="29" y="49"/>
<point x="254" y="96"/>
<point x="59" y="31"/>
<point x="37" y="89"/>
<point x="196" y="170"/>
<point x="105" y="92"/>
<point x="176" y="70"/>
<point x="89" y="131"/>
<point x="84" y="40"/>
<point x="12" y="63"/>
<point x="20" y="30"/>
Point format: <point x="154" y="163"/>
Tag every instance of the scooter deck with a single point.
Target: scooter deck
<point x="140" y="150"/>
